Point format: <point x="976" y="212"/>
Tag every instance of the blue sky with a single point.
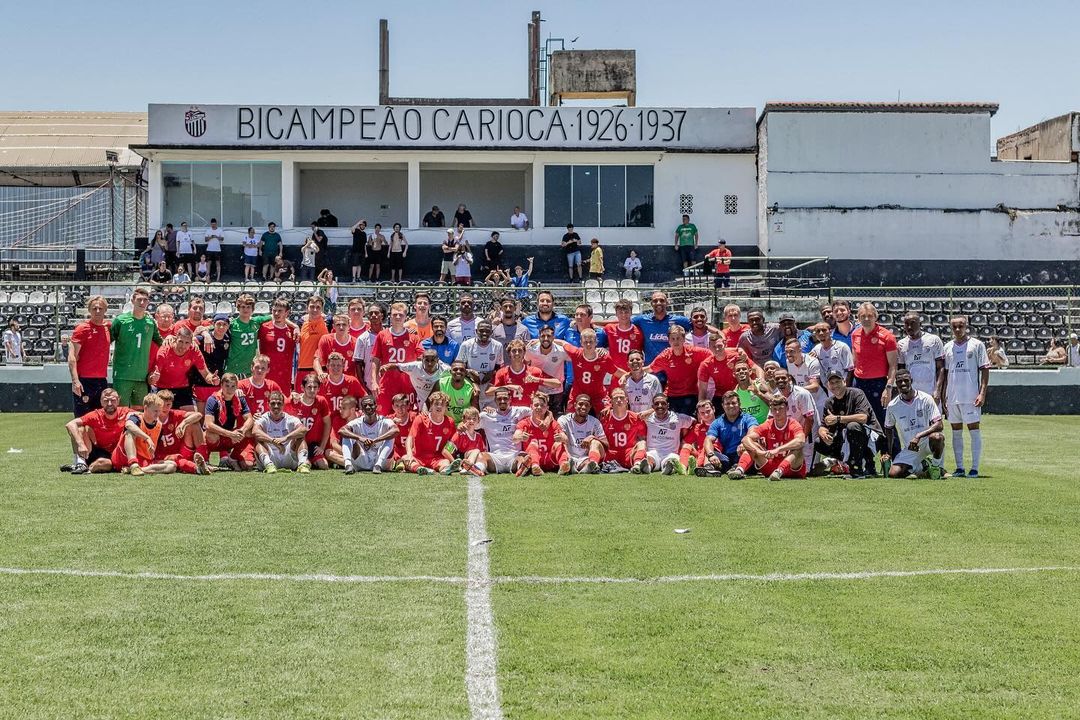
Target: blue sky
<point x="123" y="54"/>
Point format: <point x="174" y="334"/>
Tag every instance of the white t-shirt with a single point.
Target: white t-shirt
<point x="577" y="432"/>
<point x="307" y="255"/>
<point x="801" y="405"/>
<point x="919" y="357"/>
<point x="13" y="340"/>
<point x="963" y="362"/>
<point x="184" y="243"/>
<point x="359" y="426"/>
<point x="838" y="357"/>
<point x="803" y="374"/>
<point x="213" y="239"/>
<point x="632" y="263"/>
<point x="459" y="329"/>
<point x="499" y="428"/>
<point x="463" y="265"/>
<point x="662" y="436"/>
<point x="423" y="382"/>
<point x="251" y="245"/>
<point x="362" y="353"/>
<point x="641" y="392"/>
<point x="701" y="341"/>
<point x="553" y="364"/>
<point x="1072" y="355"/>
<point x="481" y="358"/>
<point x="911" y="418"/>
<point x="519" y="221"/>
<point x="277" y="428"/>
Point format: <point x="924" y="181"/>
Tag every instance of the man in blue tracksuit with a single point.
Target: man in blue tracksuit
<point x="545" y="316"/>
<point x="654" y="326"/>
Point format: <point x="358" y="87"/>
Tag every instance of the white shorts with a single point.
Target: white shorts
<point x="656" y="460"/>
<point x="965" y="413"/>
<point x="375" y="455"/>
<point x="913" y="458"/>
<point x="282" y="458"/>
<point x="503" y="461"/>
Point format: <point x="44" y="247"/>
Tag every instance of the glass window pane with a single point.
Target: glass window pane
<point x="235" y="195"/>
<point x="206" y="198"/>
<point x="176" y="183"/>
<point x="556" y="195"/>
<point x="612" y="195"/>
<point x="586" y="192"/>
<point x="639" y="196"/>
<point x="265" y="194"/>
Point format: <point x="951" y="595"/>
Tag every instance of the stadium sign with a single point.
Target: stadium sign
<point x="452" y="127"/>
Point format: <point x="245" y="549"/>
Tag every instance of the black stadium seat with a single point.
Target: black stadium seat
<point x="1036" y="346"/>
<point x="996" y="319"/>
<point x="1025" y="333"/>
<point x="1005" y="332"/>
<point x="1043" y="306"/>
<point x="1017" y="321"/>
<point x="1015" y="346"/>
<point x="977" y="319"/>
<point x="968" y="306"/>
<point x="1035" y="320"/>
<point x="986" y="331"/>
<point x="1024" y="306"/>
<point x="914" y="305"/>
<point x="1044" y="333"/>
<point x="1006" y="306"/>
<point x="932" y="306"/>
<point x="987" y="306"/>
<point x="885" y="319"/>
<point x="892" y="306"/>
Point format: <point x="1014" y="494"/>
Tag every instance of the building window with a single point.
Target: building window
<point x="731" y="204"/>
<point x="238" y="194"/>
<point x="598" y="195"/>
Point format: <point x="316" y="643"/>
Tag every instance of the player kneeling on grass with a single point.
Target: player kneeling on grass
<point x="469" y="444"/>
<point x="626" y="436"/>
<point x="663" y="428"/>
<point x="543" y="444"/>
<point x="775" y="447"/>
<point x="134" y="453"/>
<point x="848" y="416"/>
<point x="346" y="413"/>
<point x="915" y="421"/>
<point x="586" y="443"/>
<point x="181" y="439"/>
<point x="725" y="436"/>
<point x="367" y="442"/>
<point x="279" y="438"/>
<point x="313" y="410"/>
<point x="228" y="425"/>
<point x="428" y="436"/>
<point x="96" y="434"/>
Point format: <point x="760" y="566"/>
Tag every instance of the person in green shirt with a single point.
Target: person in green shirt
<point x="244" y="330"/>
<point x="461" y="391"/>
<point x="271" y="248"/>
<point x="133" y="332"/>
<point x="686" y="241"/>
<point x="749" y="399"/>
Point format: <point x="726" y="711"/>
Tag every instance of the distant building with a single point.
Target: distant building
<point x="1057" y="139"/>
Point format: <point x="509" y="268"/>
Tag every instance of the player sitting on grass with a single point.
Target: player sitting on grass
<point x="134" y="453"/>
<point x="313" y="410"/>
<point x="663" y="428"/>
<point x="367" y="442"/>
<point x="775" y="447"/>
<point x="499" y="424"/>
<point x="228" y="425"/>
<point x="469" y="444"/>
<point x="279" y="438"/>
<point x="95" y="435"/>
<point x="181" y="439"/>
<point x="586" y="443"/>
<point x="346" y="413"/>
<point x="692" y="451"/>
<point x="428" y="435"/>
<point x="626" y="435"/>
<point x="913" y="418"/>
<point x="542" y="441"/>
<point x="403" y="417"/>
<point x="725" y="436"/>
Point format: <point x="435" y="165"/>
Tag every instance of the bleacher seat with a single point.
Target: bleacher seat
<point x="17" y="298"/>
<point x="1044" y="333"/>
<point x="996" y="319"/>
<point x="985" y="331"/>
<point x="1038" y="346"/>
<point x="885" y="319"/>
<point x="636" y="309"/>
<point x="49" y="333"/>
<point x="1015" y="346"/>
<point x="610" y="284"/>
<point x="914" y="306"/>
<point x="593" y="297"/>
<point x="894" y="306"/>
<point x="977" y="319"/>
<point x="1024" y="306"/>
<point x="611" y="296"/>
<point x="628" y="283"/>
<point x="987" y="306"/>
<point x="1025" y="333"/>
<point x="1006" y="306"/>
<point x="1005" y="332"/>
<point x="5" y="296"/>
<point x="31" y="333"/>
<point x="591" y="284"/>
<point x="262" y="307"/>
<point x="182" y="309"/>
<point x="1043" y="306"/>
<point x="968" y="306"/>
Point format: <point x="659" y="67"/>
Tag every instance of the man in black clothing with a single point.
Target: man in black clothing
<point x="322" y="241"/>
<point x="326" y="219"/>
<point x="463" y="216"/>
<point x="571" y="245"/>
<point x="847" y="415"/>
<point x="434" y="218"/>
<point x="493" y="253"/>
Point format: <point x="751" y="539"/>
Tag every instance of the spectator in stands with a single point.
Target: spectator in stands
<point x="463" y="218"/>
<point x="571" y="245"/>
<point x="686" y="241"/>
<point x="789" y="330"/>
<point x="13" y="343"/>
<point x="170" y="245"/>
<point x="520" y="280"/>
<point x="326" y="287"/>
<point x="734" y="327"/>
<point x="214" y="237"/>
<point x="327" y="219"/>
<point x="596" y="259"/>
<point x="271" y="249"/>
<point x="449" y="248"/>
<point x="848" y="417"/>
<point x="493" y="256"/>
<point x="252" y="246"/>
<point x="158" y="249"/>
<point x="161" y="274"/>
<point x="874" y="350"/>
<point x="463" y="326"/>
<point x="434" y="218"/>
<point x="998" y="359"/>
<point x="632" y="266"/>
<point x="146" y="263"/>
<point x="761" y="339"/>
<point x="463" y="259"/>
<point x="308" y="251"/>
<point x="376" y="253"/>
<point x="202" y="268"/>
<point x="399" y="248"/>
<point x="655" y="325"/>
<point x="1055" y="354"/>
<point x="185" y="248"/>
<point x="721" y="257"/>
<point x="546" y="317"/>
<point x="519" y="220"/>
<point x="1073" y="351"/>
<point x="358" y="250"/>
<point x="841" y="324"/>
<point x="181" y="278"/>
<point x="323" y="243"/>
<point x="282" y="269"/>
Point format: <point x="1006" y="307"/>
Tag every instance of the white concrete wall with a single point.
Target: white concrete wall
<point x="489" y="194"/>
<point x="379" y="194"/>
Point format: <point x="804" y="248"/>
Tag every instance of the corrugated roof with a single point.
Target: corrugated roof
<point x="880" y="107"/>
<point x="59" y="140"/>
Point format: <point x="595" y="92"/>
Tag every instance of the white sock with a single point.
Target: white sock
<point x="265" y="460"/>
<point x="301" y="454"/>
<point x="958" y="447"/>
<point x="976" y="448"/>
<point x="75" y="459"/>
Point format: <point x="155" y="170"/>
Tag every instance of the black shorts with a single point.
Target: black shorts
<point x="92" y="389"/>
<point x="213" y="255"/>
<point x="182" y="397"/>
<point x="170" y="258"/>
<point x="397" y="261"/>
<point x="186" y="258"/>
<point x="377" y="257"/>
<point x="97" y="453"/>
<point x="356" y="258"/>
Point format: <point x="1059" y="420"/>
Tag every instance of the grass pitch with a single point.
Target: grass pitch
<point x="936" y="646"/>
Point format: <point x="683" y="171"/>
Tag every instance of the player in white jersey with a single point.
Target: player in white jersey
<point x="424" y="373"/>
<point x="805" y="371"/>
<point x="586" y="441"/>
<point x="832" y="355"/>
<point x="641" y="387"/>
<point x="914" y="417"/>
<point x="663" y="432"/>
<point x="499" y="424"/>
<point x="482" y="357"/>
<point x="802" y="408"/>
<point x="545" y="354"/>
<point x="922" y="353"/>
<point x="963" y="391"/>
<point x="367" y="442"/>
<point x="279" y="438"/>
<point x="364" y="345"/>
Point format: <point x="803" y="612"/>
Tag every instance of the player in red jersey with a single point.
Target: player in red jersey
<point x="164" y="318"/>
<point x="257" y="388"/>
<point x="357" y="320"/>
<point x="338" y="385"/>
<point x="313" y="410"/>
<point x="734" y="327"/>
<point x="228" y="425"/>
<point x="94" y="435"/>
<point x="277" y="341"/>
<point x="339" y="341"/>
<point x="467" y="448"/>
<point x="623" y="335"/>
<point x="196" y="316"/>
<point x="692" y="452"/>
<point x="403" y="417"/>
<point x="774" y="447"/>
<point x="716" y="374"/>
<point x="134" y="453"/>
<point x="428" y="435"/>
<point x="543" y="444"/>
<point x="346" y="413"/>
<point x="594" y="371"/>
<point x="170" y="369"/>
<point x="88" y="358"/>
<point x="181" y="440"/>
<point x="680" y="362"/>
<point x="625" y="432"/>
<point x="521" y="379"/>
<point x="395" y="345"/>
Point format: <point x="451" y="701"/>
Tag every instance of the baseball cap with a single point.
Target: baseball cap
<point x="223" y="317"/>
<point x="787" y="316"/>
<point x="1073" y="336"/>
<point x="835" y="374"/>
<point x="722" y="241"/>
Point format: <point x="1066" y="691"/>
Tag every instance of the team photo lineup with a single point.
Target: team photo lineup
<point x="372" y="387"/>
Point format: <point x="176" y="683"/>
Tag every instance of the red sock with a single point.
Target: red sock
<point x="785" y="467"/>
<point x="185" y="466"/>
<point x="594" y="456"/>
<point x="534" y="453"/>
<point x="684" y="454"/>
<point x="638" y="456"/>
<point x="204" y="451"/>
<point x="745" y="461"/>
<point x="187" y="452"/>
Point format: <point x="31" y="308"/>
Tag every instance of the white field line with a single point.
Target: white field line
<point x="312" y="577"/>
<point x="481" y="683"/>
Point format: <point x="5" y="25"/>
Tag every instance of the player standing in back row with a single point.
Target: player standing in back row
<point x="963" y="391"/>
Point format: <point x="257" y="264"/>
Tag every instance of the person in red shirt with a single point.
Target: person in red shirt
<point x="311" y="333"/>
<point x="774" y="447"/>
<point x="680" y="362"/>
<point x="134" y="453"/>
<point x="277" y="341"/>
<point x="734" y="327"/>
<point x="692" y="452"/>
<point x="165" y="319"/>
<point x="228" y="424"/>
<point x="625" y="432"/>
<point x="171" y="368"/>
<point x="88" y="357"/>
<point x="181" y="440"/>
<point x="395" y="345"/>
<point x="594" y="371"/>
<point x="543" y="444"/>
<point x="467" y="449"/>
<point x="521" y="379"/>
<point x="94" y="435"/>
<point x="339" y="341"/>
<point x="721" y="257"/>
<point x="357" y="320"/>
<point x="257" y="388"/>
<point x="346" y="412"/>
<point x="716" y="374"/>
<point x="403" y="417"/>
<point x="338" y="385"/>
<point x="313" y="410"/>
<point x="427" y="437"/>
<point x="623" y="336"/>
<point x="196" y="316"/>
<point x="875" y="355"/>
